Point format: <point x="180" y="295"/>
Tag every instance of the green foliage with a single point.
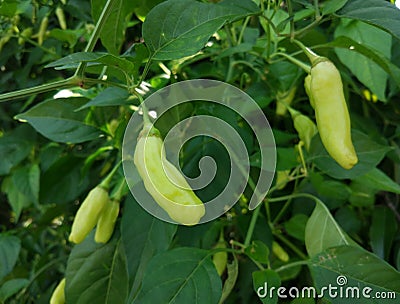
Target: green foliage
<point x="360" y="267"/>
<point x="67" y="124"/>
<point x="193" y="270"/>
<point x="102" y="268"/>
<point x="67" y="95"/>
<point x="174" y="40"/>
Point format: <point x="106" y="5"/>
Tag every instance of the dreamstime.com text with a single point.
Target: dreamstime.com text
<point x="334" y="292"/>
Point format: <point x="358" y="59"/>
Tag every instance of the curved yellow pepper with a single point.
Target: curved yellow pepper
<point x="106" y="222"/>
<point x="58" y="296"/>
<point x="88" y="214"/>
<point x="175" y="197"/>
<point x="333" y="119"/>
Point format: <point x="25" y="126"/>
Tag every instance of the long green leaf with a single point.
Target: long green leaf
<point x="143" y="236"/>
<point x="26" y="180"/>
<point x="63" y="181"/>
<point x="382" y="231"/>
<point x="322" y="231"/>
<point x="57" y="120"/>
<point x="349" y="269"/>
<point x="113" y="32"/>
<point x="182" y="275"/>
<point x="11" y="287"/>
<point x="72" y="60"/>
<point x="10" y="247"/>
<point x="369" y="155"/>
<point x="15" y="145"/>
<point x="109" y="97"/>
<point x="380" y="13"/>
<point x="371" y="54"/>
<point x="376" y="179"/>
<point x="22" y="188"/>
<point x="175" y="29"/>
<point x="367" y="71"/>
<point x="97" y="273"/>
<point x="331" y="6"/>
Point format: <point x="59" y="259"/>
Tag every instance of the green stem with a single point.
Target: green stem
<point x="252" y="225"/>
<point x="46" y="50"/>
<point x="282" y="211"/>
<point x="268" y="210"/>
<point x="269" y="22"/>
<point x="230" y="71"/>
<point x="308" y="27"/>
<point x="93" y="81"/>
<point x="241" y="34"/>
<point x="295" y="195"/>
<point x="299" y="63"/>
<point x="310" y="54"/>
<point x="268" y="33"/>
<point x="146" y="118"/>
<point x="317" y="12"/>
<point x="105" y="13"/>
<point x="303" y="162"/>
<point x="61" y="84"/>
<point x="256" y="212"/>
<point x="292" y="178"/>
<point x="144" y="74"/>
<point x="190" y="61"/>
<point x="246" y="63"/>
<point x="231" y="250"/>
<point x="290" y="10"/>
<point x="258" y="264"/>
<point x="236" y="243"/>
<point x="291" y="246"/>
<point x="250" y="181"/>
<point x="57" y="85"/>
<point x="107" y="180"/>
<point x="288" y="266"/>
<point x="231" y="63"/>
<point x="119" y="191"/>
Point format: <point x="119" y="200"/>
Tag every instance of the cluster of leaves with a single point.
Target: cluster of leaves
<point x="73" y="72"/>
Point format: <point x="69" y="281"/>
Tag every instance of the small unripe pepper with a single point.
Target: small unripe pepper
<point x="279" y="252"/>
<point x="88" y="214"/>
<point x="284" y="99"/>
<point x="26" y="34"/>
<point x="42" y="30"/>
<point x="333" y="119"/>
<point x="106" y="222"/>
<point x="220" y="259"/>
<point x="304" y="126"/>
<point x="163" y="181"/>
<point x="58" y="296"/>
<point x="61" y="18"/>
